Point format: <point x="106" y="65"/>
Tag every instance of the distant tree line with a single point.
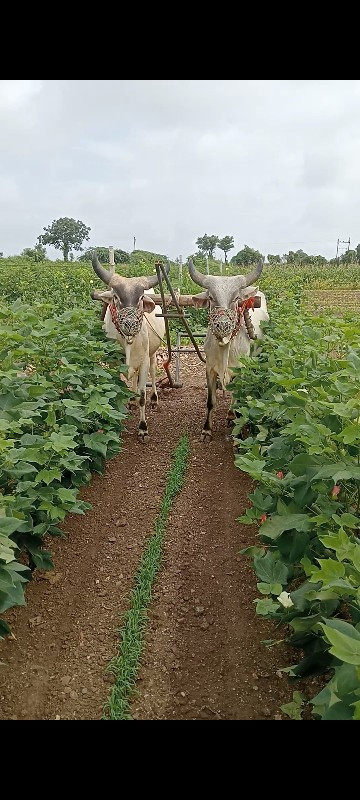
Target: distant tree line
<point x="68" y="235"/>
<point x="248" y="255"/>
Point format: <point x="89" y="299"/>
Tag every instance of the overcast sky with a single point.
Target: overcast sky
<point x="276" y="164"/>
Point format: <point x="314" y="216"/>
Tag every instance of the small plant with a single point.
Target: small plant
<point x="125" y="665"/>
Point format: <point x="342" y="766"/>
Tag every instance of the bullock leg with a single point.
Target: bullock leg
<point x="132" y="383"/>
<point x="211" y="378"/>
<point x="154" y="400"/>
<point x="231" y="416"/>
<point x="143" y="375"/>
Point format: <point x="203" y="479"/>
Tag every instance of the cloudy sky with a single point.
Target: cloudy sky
<point x="276" y="164"/>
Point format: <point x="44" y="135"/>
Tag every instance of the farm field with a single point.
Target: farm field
<point x="151" y="545"/>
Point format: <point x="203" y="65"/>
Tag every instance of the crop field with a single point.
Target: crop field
<point x="179" y="580"/>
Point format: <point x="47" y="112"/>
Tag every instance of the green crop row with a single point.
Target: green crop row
<point x="62" y="406"/>
<point x="71" y="284"/>
<point x="298" y="404"/>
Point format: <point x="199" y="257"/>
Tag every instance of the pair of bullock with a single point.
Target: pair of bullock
<point x="131" y="319"/>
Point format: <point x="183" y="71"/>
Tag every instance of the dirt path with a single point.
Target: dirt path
<point x="204" y="658"/>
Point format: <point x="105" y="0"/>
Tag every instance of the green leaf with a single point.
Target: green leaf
<point x="265" y="607"/>
<point x="48" y="475"/>
<point x="9" y="525"/>
<point x="350" y="434"/>
<point x="96" y="442"/>
<point x="294" y="709"/>
<point x="252" y="551"/>
<point x="339" y="471"/>
<point x="349" y="521"/>
<point x="343" y="645"/>
<point x="274" y="527"/>
<point x="4" y="629"/>
<point x="269" y="588"/>
<point x="347" y="679"/>
<point x="41" y="558"/>
<point x="330" y="570"/>
<point x="338" y="711"/>
<point x="269" y="569"/>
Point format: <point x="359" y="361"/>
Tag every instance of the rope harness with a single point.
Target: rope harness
<point x="226" y="322"/>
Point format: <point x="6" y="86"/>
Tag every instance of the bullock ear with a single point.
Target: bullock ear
<point x="249" y="291"/>
<point x="200" y="300"/>
<point x="148" y="304"/>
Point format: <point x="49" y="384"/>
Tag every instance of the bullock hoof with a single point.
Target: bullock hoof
<point x="143" y="432"/>
<point x="154" y="402"/>
<point x="206" y="436"/>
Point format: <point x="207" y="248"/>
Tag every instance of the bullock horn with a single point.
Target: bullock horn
<point x="253" y="276"/>
<point x="102" y="273"/>
<point x="153" y="280"/>
<point x="96" y="295"/>
<point x="197" y="277"/>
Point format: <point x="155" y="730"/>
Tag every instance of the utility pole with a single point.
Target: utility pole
<point x="207" y="264"/>
<point x="339" y="242"/>
<point x="134" y="242"/>
<point x="111" y="260"/>
<point x="180" y="273"/>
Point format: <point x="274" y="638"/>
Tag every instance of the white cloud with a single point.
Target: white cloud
<point x="15" y="94"/>
<point x="274" y="163"/>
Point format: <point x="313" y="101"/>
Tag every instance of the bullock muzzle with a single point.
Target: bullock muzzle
<point x="222" y="324"/>
<point x="127" y="321"/>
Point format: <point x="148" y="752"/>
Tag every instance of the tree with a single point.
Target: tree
<point x="37" y="253"/>
<point x="120" y="256"/>
<point x="357" y="248"/>
<point x="296" y="257"/>
<point x="318" y="261"/>
<point x="207" y="244"/>
<point x="65" y="234"/>
<point x="274" y="259"/>
<point x="246" y="257"/>
<point x="225" y="244"/>
<point x="350" y="257"/>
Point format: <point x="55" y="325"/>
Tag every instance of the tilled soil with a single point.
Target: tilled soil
<point x="204" y="655"/>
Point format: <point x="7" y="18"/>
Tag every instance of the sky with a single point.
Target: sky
<point x="276" y="164"/>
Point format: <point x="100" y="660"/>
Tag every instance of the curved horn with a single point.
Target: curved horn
<point x="153" y="279"/>
<point x="102" y="273"/>
<point x="253" y="276"/>
<point x="197" y="277"/>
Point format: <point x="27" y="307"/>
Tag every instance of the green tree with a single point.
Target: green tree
<point x="37" y="253"/>
<point x="296" y="257"/>
<point x="350" y="257"/>
<point x="318" y="261"/>
<point x="65" y="234"/>
<point x="225" y="244"/>
<point x="120" y="256"/>
<point x="207" y="244"/>
<point x="274" y="259"/>
<point x="357" y="248"/>
<point x="246" y="257"/>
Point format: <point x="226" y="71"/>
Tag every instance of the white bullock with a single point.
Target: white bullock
<point x="131" y="320"/>
<point x="227" y="336"/>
